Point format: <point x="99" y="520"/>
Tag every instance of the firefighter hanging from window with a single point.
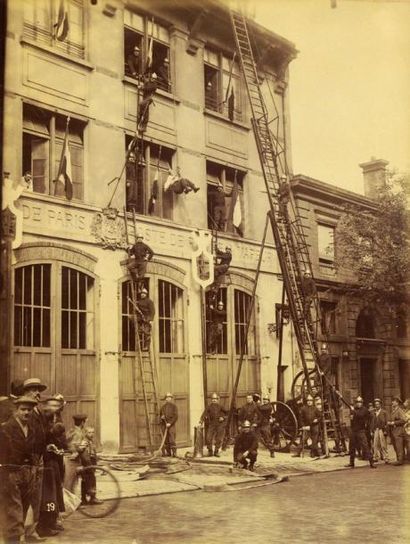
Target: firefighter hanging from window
<point x="139" y="255"/>
<point x="149" y="87"/>
<point x="178" y="184"/>
<point x="145" y="315"/>
<point x="216" y="326"/>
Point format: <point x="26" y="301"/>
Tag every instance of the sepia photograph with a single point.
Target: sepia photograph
<point x="205" y="271"/>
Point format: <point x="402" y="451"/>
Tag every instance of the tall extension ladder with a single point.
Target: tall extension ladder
<point x="290" y="241"/>
<point x="144" y="365"/>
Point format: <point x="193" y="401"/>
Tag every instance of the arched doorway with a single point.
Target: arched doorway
<point x="54" y="329"/>
<point x="170" y="357"/>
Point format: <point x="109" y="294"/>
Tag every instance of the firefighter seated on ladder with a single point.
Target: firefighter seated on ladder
<point x="145" y="314"/>
<point x="140" y="253"/>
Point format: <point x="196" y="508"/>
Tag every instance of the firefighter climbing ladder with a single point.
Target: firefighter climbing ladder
<point x="290" y="242"/>
<point x="144" y="365"/>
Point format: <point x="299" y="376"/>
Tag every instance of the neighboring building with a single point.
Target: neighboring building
<point x="70" y="321"/>
<point x="370" y="351"/>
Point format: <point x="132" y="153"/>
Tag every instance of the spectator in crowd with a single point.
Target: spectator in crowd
<point x="76" y="445"/>
<point x="397" y="422"/>
<point x="88" y="480"/>
<point x="378" y="427"/>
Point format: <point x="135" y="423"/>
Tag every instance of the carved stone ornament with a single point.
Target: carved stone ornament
<point x="12" y="215"/>
<point x="202" y="258"/>
<point x="109" y="229"/>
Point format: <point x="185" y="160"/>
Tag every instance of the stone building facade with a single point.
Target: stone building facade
<point x="370" y="350"/>
<point x="68" y="306"/>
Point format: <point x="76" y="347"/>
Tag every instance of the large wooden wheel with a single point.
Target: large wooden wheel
<point x="300" y="387"/>
<point x="285" y="426"/>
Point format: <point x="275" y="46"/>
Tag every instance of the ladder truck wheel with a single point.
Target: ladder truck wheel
<point x="299" y="387"/>
<point x="285" y="428"/>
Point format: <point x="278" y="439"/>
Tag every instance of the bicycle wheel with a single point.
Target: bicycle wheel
<point x="104" y="486"/>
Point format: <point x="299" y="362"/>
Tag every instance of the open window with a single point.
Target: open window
<point x="326" y="243"/>
<point x="225" y="202"/>
<point x="222" y="85"/>
<point x="152" y="41"/>
<point x="147" y="169"/>
<point x="43" y="138"/>
<point x="328" y="317"/>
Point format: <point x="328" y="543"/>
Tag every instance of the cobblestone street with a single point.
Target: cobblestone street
<point x="351" y="506"/>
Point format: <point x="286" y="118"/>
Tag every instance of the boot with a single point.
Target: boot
<point x="216" y="453"/>
<point x="350" y="465"/>
<point x="94" y="500"/>
<point x="174" y="452"/>
<point x="210" y="453"/>
<point x="251" y="467"/>
<point x="272" y="453"/>
<point x="371" y="463"/>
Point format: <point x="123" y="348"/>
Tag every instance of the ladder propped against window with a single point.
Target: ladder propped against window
<point x="144" y="369"/>
<point x="289" y="236"/>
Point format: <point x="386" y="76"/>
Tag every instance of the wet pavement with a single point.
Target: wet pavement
<point x="351" y="506"/>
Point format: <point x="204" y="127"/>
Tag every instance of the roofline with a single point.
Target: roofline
<point x="305" y="184"/>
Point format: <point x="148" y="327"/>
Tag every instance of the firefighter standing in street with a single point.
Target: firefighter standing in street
<point x="168" y="417"/>
<point x="140" y="253"/>
<point x="18" y="474"/>
<point x="360" y="420"/>
<point x="310" y="418"/>
<point x="246" y="447"/>
<point x="397" y="423"/>
<point x="249" y="412"/>
<point x="265" y="424"/>
<point x="214" y="417"/>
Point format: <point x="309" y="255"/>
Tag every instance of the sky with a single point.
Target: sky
<point x="349" y="85"/>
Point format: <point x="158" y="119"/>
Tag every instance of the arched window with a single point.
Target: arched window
<point x="365" y="324"/>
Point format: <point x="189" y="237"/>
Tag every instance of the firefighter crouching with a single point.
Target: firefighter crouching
<point x="246" y="447"/>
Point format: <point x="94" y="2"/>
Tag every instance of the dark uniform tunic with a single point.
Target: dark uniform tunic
<point x="308" y="415"/>
<point x="16" y="481"/>
<point x="218" y="208"/>
<point x="265" y="425"/>
<point x="224" y="259"/>
<point x="218" y="317"/>
<point x="147" y="309"/>
<point x="360" y="419"/>
<point x="39" y="424"/>
<point x="142" y="254"/>
<point x="214" y="417"/>
<point x="246" y="442"/>
<point x="248" y="412"/>
<point x="169" y="414"/>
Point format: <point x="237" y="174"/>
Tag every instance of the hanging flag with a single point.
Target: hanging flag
<point x="231" y="104"/>
<point x="62" y="26"/>
<point x="64" y="170"/>
<point x="235" y="213"/>
<point x="150" y="46"/>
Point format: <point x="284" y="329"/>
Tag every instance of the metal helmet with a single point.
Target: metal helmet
<point x="144" y="290"/>
<point x="309" y="397"/>
<point x="215" y="396"/>
<point x="246" y="424"/>
<point x="359" y="399"/>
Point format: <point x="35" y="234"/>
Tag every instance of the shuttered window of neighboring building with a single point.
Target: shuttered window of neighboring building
<point x="32" y="305"/>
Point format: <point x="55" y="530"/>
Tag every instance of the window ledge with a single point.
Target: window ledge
<point x="165" y="94"/>
<point x="217" y="115"/>
<point x="59" y="54"/>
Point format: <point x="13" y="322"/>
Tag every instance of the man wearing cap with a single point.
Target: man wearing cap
<point x="246" y="447"/>
<point x="216" y="326"/>
<point x="146" y="313"/>
<point x="360" y="420"/>
<point x="223" y="260"/>
<point x="33" y="387"/>
<point x="214" y="417"/>
<point x="17" y="454"/>
<point x="265" y="424"/>
<point x="249" y="412"/>
<point x="134" y="61"/>
<point x="397" y="421"/>
<point x="169" y="416"/>
<point x="76" y="445"/>
<point x="378" y="427"/>
<point x="7" y="405"/>
<point x="140" y="253"/>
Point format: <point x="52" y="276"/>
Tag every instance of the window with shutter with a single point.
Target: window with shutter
<point x="39" y="165"/>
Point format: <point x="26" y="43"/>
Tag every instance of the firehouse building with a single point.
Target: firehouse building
<point x="68" y="304"/>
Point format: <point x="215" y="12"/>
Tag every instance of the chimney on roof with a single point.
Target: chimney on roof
<point x="374" y="176"/>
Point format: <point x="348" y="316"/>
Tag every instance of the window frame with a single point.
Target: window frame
<point x="221" y="107"/>
<point x="52" y="149"/>
<point x="43" y="35"/>
<point x="228" y="186"/>
<point x="326" y="258"/>
<point x="164" y="200"/>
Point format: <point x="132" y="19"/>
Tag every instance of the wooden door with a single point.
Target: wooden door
<point x="54" y="334"/>
<point x="168" y="351"/>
